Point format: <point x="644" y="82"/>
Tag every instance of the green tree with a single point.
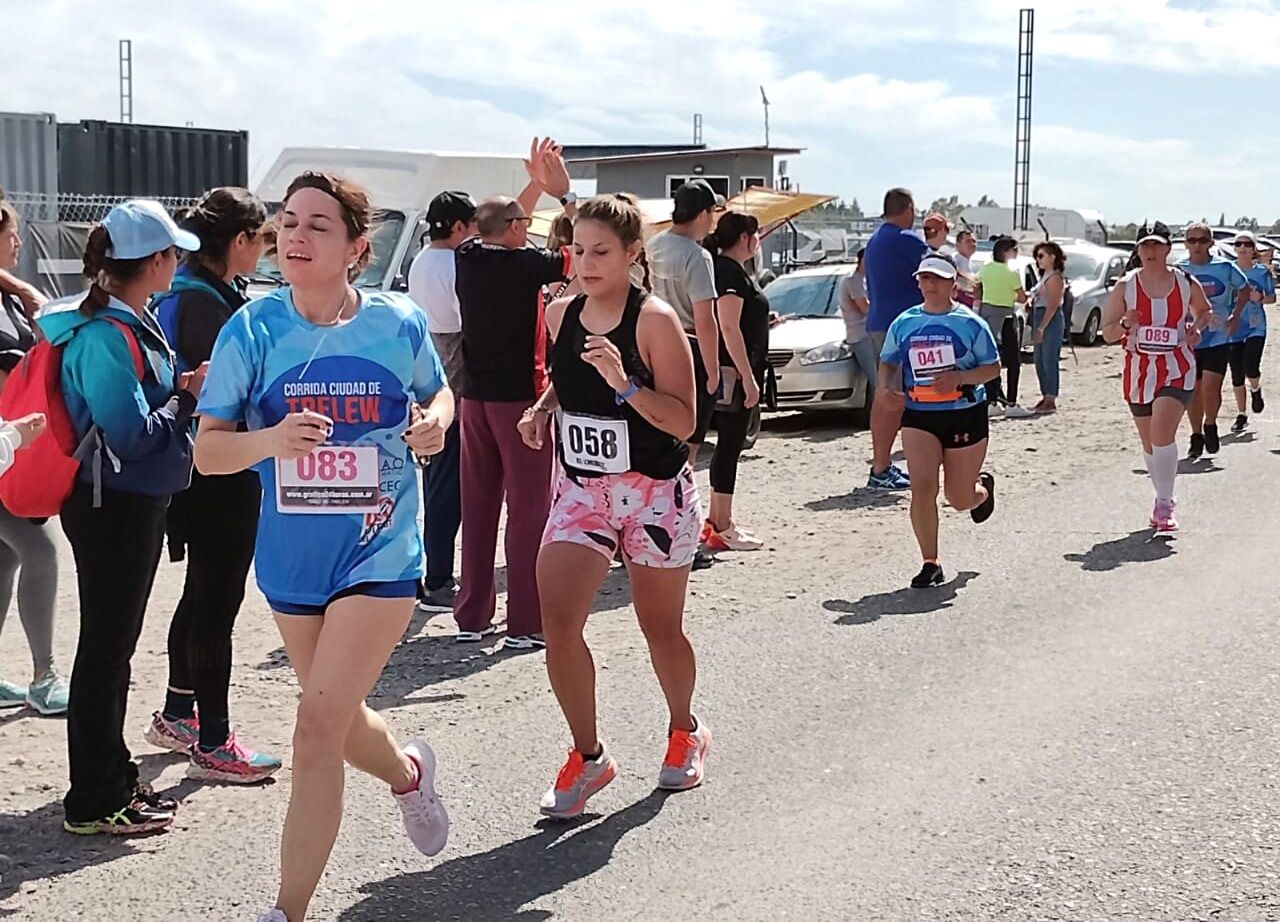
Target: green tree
<point x="855" y="210"/>
<point x="1222" y="219"/>
<point x="987" y="202"/>
<point x="949" y="207"/>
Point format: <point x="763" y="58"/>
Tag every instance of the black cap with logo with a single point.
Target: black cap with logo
<point x="448" y="208"/>
<point x="693" y="198"/>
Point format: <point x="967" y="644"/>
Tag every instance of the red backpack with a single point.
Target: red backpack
<point x="44" y="472"/>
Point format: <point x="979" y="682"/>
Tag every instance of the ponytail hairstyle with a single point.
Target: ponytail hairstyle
<point x="620" y="212"/>
<point x="218" y="219"/>
<point x="103" y="271"/>
<point x="729" y="230"/>
<point x="561" y="233"/>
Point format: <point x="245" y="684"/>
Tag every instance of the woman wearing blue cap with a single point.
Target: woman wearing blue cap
<point x="122" y="395"/>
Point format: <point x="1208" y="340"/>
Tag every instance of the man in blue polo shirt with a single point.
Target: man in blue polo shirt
<point x="893" y="256"/>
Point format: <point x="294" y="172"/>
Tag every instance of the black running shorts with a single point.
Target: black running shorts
<point x="955" y="429"/>
<point x="1213" y="359"/>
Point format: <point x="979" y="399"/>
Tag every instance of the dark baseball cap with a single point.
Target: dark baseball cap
<point x="448" y="208"/>
<point x="1157" y="232"/>
<point x="693" y="198"/>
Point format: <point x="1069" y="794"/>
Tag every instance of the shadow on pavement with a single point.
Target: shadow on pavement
<point x="1139" y="547"/>
<point x="1187" y="466"/>
<point x="35" y="848"/>
<point x="907" y="601"/>
<point x="494" y="885"/>
<point x="863" y="498"/>
<point x="1239" y="438"/>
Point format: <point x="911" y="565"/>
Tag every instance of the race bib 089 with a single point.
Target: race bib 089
<point x="331" y="480"/>
<point x="1157" y="339"/>
<point x="591" y="443"/>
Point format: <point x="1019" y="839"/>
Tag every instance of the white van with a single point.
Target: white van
<point x="401" y="185"/>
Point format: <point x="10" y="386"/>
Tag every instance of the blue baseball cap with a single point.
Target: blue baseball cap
<point x="142" y="227"/>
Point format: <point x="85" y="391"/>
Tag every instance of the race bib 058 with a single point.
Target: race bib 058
<point x="591" y="443"/>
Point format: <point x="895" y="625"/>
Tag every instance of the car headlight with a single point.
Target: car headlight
<point x="831" y="352"/>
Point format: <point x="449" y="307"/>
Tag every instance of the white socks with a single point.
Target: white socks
<point x="1162" y="465"/>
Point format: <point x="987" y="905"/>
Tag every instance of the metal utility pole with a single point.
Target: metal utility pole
<point x="1022" y="136"/>
<point x="126" y="80"/>
<point x="765" y="100"/>
<point x="697" y="128"/>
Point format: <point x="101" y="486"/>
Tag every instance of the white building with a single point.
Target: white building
<point x="1060" y="222"/>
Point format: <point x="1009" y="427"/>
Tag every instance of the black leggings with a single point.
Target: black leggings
<point x="221" y="515"/>
<point x="116" y="549"/>
<point x="731" y="436"/>
<point x="1011" y="359"/>
<point x="1246" y="360"/>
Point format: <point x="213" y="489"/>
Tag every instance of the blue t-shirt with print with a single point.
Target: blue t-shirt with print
<point x="920" y="342"/>
<point x="892" y="257"/>
<point x="269" y="361"/>
<point x="1222" y="282"/>
<point x="1253" y="322"/>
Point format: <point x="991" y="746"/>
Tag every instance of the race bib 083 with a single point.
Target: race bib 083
<point x="331" y="480"/>
<point x="591" y="443"/>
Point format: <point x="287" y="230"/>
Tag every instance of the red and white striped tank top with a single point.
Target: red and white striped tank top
<point x="1157" y="354"/>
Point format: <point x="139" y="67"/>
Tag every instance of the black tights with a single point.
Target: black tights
<point x="731" y="436"/>
<point x="221" y="525"/>
<point x="1011" y="359"/>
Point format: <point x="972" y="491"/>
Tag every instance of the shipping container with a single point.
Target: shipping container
<point x="113" y="158"/>
<point x="29" y="153"/>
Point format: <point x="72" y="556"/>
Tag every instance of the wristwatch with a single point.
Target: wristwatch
<point x="569" y="198"/>
<point x="633" y="388"/>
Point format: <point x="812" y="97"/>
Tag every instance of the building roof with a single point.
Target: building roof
<point x="701" y="152"/>
<point x="593" y="152"/>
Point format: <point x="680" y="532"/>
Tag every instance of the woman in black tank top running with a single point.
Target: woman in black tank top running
<point x="622" y="402"/>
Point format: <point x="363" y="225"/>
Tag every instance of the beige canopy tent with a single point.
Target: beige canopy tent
<point x="771" y="207"/>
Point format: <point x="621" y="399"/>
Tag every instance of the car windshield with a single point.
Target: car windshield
<point x="1082" y="267"/>
<point x="805" y="295"/>
<point x="386" y="231"/>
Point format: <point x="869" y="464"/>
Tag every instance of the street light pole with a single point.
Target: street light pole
<point x="765" y="100"/>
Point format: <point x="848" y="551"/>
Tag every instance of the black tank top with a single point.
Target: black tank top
<point x="582" y="391"/>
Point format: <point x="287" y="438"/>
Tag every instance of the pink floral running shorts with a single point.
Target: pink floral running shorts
<point x="656" y="522"/>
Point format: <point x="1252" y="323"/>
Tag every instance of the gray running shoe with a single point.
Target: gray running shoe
<point x="577" y="782"/>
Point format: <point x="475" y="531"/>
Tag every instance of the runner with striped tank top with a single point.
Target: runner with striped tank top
<point x="1157" y="314"/>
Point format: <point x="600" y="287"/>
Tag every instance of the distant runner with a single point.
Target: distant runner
<point x="1155" y="312"/>
<point x="1228" y="292"/>
<point x="936" y="360"/>
<point x="1251" y="336"/>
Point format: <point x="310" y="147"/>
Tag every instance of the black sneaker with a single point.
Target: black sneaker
<point x="158" y="802"/>
<point x="1197" y="447"/>
<point x="982" y="511"/>
<point x="703" y="559"/>
<point x="1258" y="403"/>
<point x="1239" y="425"/>
<point x="136" y="819"/>
<point x="930" y="575"/>
<point x="438" y="600"/>
<point x="525" y="642"/>
<point x="1211" y="441"/>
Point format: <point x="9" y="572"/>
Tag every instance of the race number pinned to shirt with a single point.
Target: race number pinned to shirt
<point x="1156" y="340"/>
<point x="331" y="480"/>
<point x="927" y="358"/>
<point x="591" y="443"/>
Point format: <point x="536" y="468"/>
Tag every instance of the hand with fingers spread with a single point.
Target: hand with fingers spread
<point x="546" y="167"/>
<point x="298" y="434"/>
<point x="604" y="357"/>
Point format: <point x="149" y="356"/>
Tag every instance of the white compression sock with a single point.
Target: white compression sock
<point x="1164" y="469"/>
<point x="1151" y="467"/>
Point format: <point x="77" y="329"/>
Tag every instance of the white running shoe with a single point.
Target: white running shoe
<point x="425" y="819"/>
<point x="994" y="411"/>
<point x="275" y="915"/>
<point x="1014" y="411"/>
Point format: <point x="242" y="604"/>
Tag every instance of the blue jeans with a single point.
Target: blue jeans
<point x="868" y="362"/>
<point x="442" y="513"/>
<point x="1048" y="353"/>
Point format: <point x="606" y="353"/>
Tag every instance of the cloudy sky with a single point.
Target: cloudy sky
<point x="1144" y="107"/>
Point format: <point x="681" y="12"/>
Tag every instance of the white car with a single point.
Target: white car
<point x="811" y="362"/>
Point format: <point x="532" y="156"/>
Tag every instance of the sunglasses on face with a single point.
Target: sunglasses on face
<point x="1199" y="240"/>
<point x="525" y="219"/>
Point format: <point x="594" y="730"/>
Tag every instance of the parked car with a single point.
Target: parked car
<point x="811" y="362"/>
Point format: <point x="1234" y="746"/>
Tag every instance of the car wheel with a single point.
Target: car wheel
<point x="1089" y="336"/>
<point x="753" y="427"/>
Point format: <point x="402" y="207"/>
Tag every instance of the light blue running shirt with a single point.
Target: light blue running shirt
<point x="267" y="362"/>
<point x="1253" y="322"/>
<point x="920" y="343"/>
<point x="1222" y="282"/>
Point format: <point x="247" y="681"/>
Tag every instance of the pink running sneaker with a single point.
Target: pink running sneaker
<point x="231" y="763"/>
<point x="173" y="735"/>
<point x="1162" y="517"/>
<point x="425" y="819"/>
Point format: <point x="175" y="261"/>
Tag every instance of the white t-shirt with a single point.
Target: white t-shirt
<point x="431" y="285"/>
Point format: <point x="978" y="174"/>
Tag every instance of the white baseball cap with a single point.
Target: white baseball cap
<point x="937" y="265"/>
<point x="141" y="227"/>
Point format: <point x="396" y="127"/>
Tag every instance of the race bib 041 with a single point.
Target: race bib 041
<point x="331" y="480"/>
<point x="591" y="443"/>
<point x="930" y="357"/>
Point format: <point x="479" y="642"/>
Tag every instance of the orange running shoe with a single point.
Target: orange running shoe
<point x="686" y="758"/>
<point x="578" y="780"/>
